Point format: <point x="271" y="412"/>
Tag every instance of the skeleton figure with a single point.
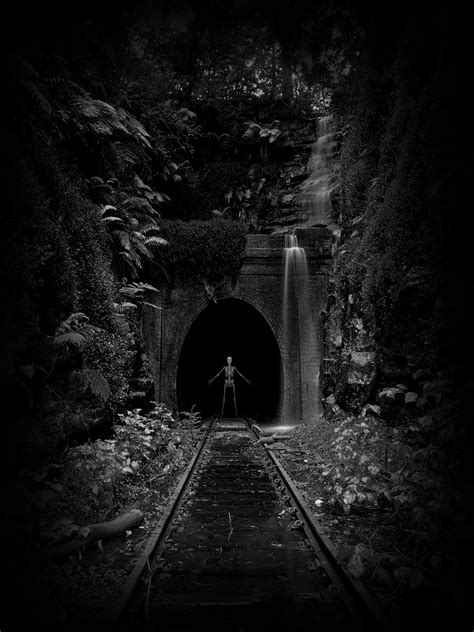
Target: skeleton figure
<point x="228" y="371"/>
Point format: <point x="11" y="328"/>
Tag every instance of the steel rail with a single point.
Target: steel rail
<point x="358" y="600"/>
<point x="160" y="532"/>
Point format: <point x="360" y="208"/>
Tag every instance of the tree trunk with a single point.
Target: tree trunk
<point x="92" y="533"/>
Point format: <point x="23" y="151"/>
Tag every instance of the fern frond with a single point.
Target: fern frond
<point x="146" y="286"/>
<point x="151" y="305"/>
<point x="132" y="257"/>
<point x="112" y="220"/>
<point x="134" y="127"/>
<point x="138" y="182"/>
<point x="156" y="241"/>
<point x="122" y="307"/>
<point x="139" y="206"/>
<point x="97" y="383"/>
<point x="97" y="116"/>
<point x="132" y="292"/>
<point x="126" y="154"/>
<point x="156" y="196"/>
<point x="76" y="330"/>
<point x="90" y="331"/>
<point x="136" y="258"/>
<point x="141" y="248"/>
<point x="123" y="239"/>
<point x="107" y="208"/>
<point x="93" y="108"/>
<point x="73" y="322"/>
<point x="73" y="338"/>
<point x="150" y="228"/>
<point x="137" y="289"/>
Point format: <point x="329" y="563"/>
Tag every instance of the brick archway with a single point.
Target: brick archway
<point x="178" y="329"/>
<point x="260" y="285"/>
<point x="233" y="327"/>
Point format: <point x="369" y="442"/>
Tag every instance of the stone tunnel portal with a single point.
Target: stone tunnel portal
<point x="230" y="327"/>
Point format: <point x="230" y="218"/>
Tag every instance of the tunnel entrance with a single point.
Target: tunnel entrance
<point x="230" y="327"/>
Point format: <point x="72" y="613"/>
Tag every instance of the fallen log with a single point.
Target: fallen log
<point x="92" y="533"/>
<point x="265" y="440"/>
<point x="274" y="437"/>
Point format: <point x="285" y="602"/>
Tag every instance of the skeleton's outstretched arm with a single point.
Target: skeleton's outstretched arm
<point x="217" y="375"/>
<point x="243" y="376"/>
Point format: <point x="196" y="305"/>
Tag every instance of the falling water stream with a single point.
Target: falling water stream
<point x="299" y="335"/>
<point x="296" y="270"/>
<point x="315" y="195"/>
<point x="300" y="323"/>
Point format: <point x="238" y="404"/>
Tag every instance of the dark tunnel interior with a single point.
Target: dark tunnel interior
<point x="233" y="328"/>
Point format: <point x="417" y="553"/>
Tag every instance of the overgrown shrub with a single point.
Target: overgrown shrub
<point x="208" y="250"/>
<point x="142" y="447"/>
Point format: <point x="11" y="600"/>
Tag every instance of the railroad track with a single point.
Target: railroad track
<point x="237" y="549"/>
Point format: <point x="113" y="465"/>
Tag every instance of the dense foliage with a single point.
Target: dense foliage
<point x="396" y="377"/>
<point x="83" y="243"/>
<point x="210" y="250"/>
<point x="399" y="264"/>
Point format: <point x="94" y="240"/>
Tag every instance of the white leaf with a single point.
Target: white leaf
<point x="410" y="397"/>
<point x="356" y="565"/>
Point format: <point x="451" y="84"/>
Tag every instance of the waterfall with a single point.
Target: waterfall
<point x="299" y="335"/>
<point x="300" y="319"/>
<point x="315" y="195"/>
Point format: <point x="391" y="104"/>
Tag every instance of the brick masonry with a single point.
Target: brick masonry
<point x="260" y="284"/>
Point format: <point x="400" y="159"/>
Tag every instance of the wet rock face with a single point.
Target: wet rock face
<point x="361" y="368"/>
<point x="350" y="366"/>
<point x="361" y="374"/>
<point x="355" y="366"/>
<point x="283" y="213"/>
<point x="313" y="181"/>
